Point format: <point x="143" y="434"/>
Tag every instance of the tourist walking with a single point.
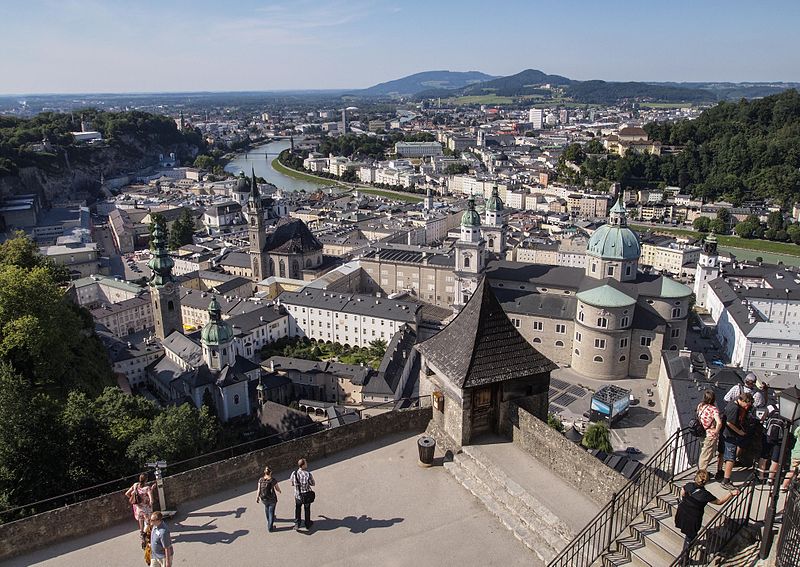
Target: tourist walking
<point x="708" y="415"/>
<point x="161" y="551"/>
<point x="140" y="496"/>
<point x="694" y="497"/>
<point x="267" y="493"/>
<point x="302" y="480"/>
<point x="734" y="434"/>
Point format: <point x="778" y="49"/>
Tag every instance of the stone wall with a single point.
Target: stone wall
<point x="69" y="522"/>
<point x="566" y="459"/>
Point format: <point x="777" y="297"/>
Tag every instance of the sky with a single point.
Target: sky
<point x="80" y="46"/>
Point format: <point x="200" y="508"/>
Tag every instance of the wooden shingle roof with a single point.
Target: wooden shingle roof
<point x="481" y="346"/>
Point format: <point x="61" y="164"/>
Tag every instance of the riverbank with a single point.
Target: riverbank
<point x="388" y="193"/>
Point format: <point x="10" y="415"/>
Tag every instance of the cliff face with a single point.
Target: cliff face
<point x="74" y="172"/>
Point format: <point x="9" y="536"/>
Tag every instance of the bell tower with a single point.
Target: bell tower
<point x="470" y="259"/>
<point x="164" y="293"/>
<point x="255" y="230"/>
<point x="707" y="269"/>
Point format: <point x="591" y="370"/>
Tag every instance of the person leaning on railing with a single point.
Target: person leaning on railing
<point x="694" y="497"/>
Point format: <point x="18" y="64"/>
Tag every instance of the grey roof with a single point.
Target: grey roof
<point x="165" y="372"/>
<point x="244" y="323"/>
<point x="386" y="381"/>
<point x="562" y="277"/>
<point x="355" y="373"/>
<point x="481" y="346"/>
<point x="537" y="304"/>
<point x="292" y="236"/>
<point x="187" y="349"/>
<point x="230" y="285"/>
<point x="236" y="259"/>
<point x="364" y="305"/>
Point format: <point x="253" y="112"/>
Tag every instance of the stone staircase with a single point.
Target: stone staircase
<point x="527" y="518"/>
<point x="652" y="540"/>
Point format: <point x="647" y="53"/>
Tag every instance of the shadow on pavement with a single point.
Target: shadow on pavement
<point x="209" y="537"/>
<point x="356" y="525"/>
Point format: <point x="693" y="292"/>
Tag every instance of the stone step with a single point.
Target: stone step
<point x="658" y="539"/>
<point x="530" y="538"/>
<point x="518" y="500"/>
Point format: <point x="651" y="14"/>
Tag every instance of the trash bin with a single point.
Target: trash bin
<point x="427" y="446"/>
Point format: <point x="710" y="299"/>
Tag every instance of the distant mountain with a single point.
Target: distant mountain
<point x="524" y="82"/>
<point x="427" y="80"/>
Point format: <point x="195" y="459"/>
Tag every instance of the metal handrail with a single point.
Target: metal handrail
<point x="86" y="493"/>
<point x="721" y="529"/>
<point x="674" y="457"/>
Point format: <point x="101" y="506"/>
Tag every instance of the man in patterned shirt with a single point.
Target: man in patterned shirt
<point x="302" y="480"/>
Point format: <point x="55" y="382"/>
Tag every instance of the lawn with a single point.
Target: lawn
<point x="483" y="99"/>
<point x="312" y="350"/>
<point x="785" y="248"/>
<point x="278" y="166"/>
<point x="405" y="197"/>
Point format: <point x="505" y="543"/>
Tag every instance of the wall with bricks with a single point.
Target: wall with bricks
<point x="70" y="522"/>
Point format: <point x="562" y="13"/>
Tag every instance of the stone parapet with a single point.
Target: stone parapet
<point x="90" y="516"/>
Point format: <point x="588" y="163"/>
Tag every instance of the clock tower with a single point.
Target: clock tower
<point x="255" y="230"/>
<point x="164" y="293"/>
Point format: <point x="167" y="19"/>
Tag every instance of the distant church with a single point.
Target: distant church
<point x="206" y="371"/>
<point x="285" y="252"/>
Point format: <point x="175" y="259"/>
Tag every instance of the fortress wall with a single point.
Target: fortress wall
<point x="566" y="459"/>
<point x="91" y="516"/>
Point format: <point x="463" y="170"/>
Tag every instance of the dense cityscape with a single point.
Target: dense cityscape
<point x="573" y="303"/>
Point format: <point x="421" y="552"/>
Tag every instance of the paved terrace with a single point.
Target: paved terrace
<point x="375" y="506"/>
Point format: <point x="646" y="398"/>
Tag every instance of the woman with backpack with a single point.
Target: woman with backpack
<point x="708" y="416"/>
<point x="140" y="497"/>
<point x="267" y="493"/>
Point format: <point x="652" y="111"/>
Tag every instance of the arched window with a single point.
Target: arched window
<point x="224" y="352"/>
<point x="598" y="359"/>
<point x="602" y="322"/>
<point x="170" y="306"/>
<point x="627" y="270"/>
<point x="295" y="269"/>
<point x="559" y="343"/>
<point x="580" y="316"/>
<point x="282" y="268"/>
<point x="236" y="400"/>
<point x="466" y="261"/>
<point x="491" y="243"/>
<point x="622" y="358"/>
<point x="271" y="267"/>
<point x="308" y="262"/>
<point x="624" y="322"/>
<point x="676" y="312"/>
<point x="537" y="340"/>
<point x="644" y="357"/>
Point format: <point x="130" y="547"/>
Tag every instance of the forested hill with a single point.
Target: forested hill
<point x="733" y="151"/>
<point x="131" y="140"/>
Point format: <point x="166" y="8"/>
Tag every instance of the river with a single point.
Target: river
<point x="260" y="159"/>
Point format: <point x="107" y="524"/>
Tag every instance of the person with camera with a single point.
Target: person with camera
<point x="304" y="495"/>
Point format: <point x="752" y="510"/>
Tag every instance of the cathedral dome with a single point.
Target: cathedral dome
<point x="470" y="216"/>
<point x="216" y="331"/>
<point x="615" y="241"/>
<point x="242" y="185"/>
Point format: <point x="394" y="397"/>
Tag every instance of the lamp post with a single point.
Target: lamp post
<point x="789" y="408"/>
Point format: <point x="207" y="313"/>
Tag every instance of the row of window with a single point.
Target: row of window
<point x="777" y="355"/>
<point x="622" y="358"/>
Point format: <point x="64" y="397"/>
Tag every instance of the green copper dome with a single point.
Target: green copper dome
<point x="216" y="331"/>
<point x="615" y="241"/>
<point x="470" y="216"/>
<point x="494" y="203"/>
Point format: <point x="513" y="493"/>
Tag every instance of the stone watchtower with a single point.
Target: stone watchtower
<point x="255" y="230"/>
<point x="476" y="366"/>
<point x="164" y="293"/>
<point x="469" y="255"/>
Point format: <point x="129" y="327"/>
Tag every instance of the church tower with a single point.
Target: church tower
<point x="469" y="255"/>
<point x="428" y="203"/>
<point x="707" y="269"/>
<point x="164" y="293"/>
<point x="495" y="224"/>
<point x="217" y="339"/>
<point x="255" y="231"/>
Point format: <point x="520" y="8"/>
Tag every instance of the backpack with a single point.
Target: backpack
<point x="774" y="429"/>
<point x="266" y="490"/>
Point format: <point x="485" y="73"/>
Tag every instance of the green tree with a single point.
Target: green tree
<point x="793" y="233"/>
<point x="377" y="349"/>
<point x="597" y="436"/>
<point x="182" y="232"/>
<point x="177" y="433"/>
<point x="456" y="169"/>
<point x="555" y="423"/>
<point x="204" y="162"/>
<point x="701" y="224"/>
<point x="749" y="228"/>
<point x="23" y="252"/>
<point x="718" y="226"/>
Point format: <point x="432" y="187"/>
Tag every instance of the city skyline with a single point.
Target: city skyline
<point x="77" y="47"/>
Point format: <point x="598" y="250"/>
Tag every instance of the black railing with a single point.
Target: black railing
<point x="722" y="528"/>
<point x="788" y="551"/>
<point x="123" y="483"/>
<point x="676" y="456"/>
